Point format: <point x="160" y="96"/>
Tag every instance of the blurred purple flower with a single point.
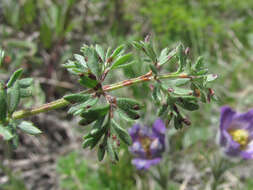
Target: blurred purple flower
<point x="236" y="133"/>
<point x="148" y="145"/>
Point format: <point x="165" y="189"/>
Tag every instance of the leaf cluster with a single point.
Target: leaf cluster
<point x="173" y="93"/>
<point x="188" y="85"/>
<point x="10" y="95"/>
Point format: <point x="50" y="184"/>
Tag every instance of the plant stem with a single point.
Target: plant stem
<point x="107" y="88"/>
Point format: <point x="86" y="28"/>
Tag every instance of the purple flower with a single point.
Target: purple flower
<point x="148" y="145"/>
<point x="236" y="133"/>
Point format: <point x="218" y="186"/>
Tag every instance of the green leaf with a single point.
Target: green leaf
<point x="162" y="110"/>
<point x="182" y="91"/>
<point x="124" y="116"/>
<point x="15" y="142"/>
<point x="88" y="82"/>
<point x="128" y="103"/>
<point x="101" y="152"/>
<point x="96" y="112"/>
<point x="98" y="128"/>
<point x="93" y="114"/>
<point x="26" y="82"/>
<point x="138" y="45"/>
<point x="95" y="141"/>
<point x="81" y="61"/>
<point x="14" y="77"/>
<point x="24" y="93"/>
<point x="87" y="120"/>
<point x="202" y="72"/>
<point x="100" y="52"/>
<point x="211" y="77"/>
<point x="132" y="114"/>
<point x="129" y="107"/>
<point x="46" y="35"/>
<point x="77" y="98"/>
<point x="181" y="56"/>
<point x="156" y="94"/>
<point x="108" y="53"/>
<point x="122" y="133"/>
<point x="87" y="142"/>
<point x="188" y="105"/>
<point x="121" y="60"/>
<point x="29" y="128"/>
<point x="93" y="62"/>
<point x="163" y="58"/>
<point x="110" y="150"/>
<point x="78" y="109"/>
<point x="13" y="98"/>
<point x="199" y="64"/>
<point x="117" y="51"/>
<point x="178" y="122"/>
<point x="5" y="133"/>
<point x="150" y="51"/>
<point x="153" y="68"/>
<point x="3" y="103"/>
<point x="1" y="56"/>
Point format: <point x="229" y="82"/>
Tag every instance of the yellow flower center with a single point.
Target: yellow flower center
<point x="146" y="142"/>
<point x="240" y="136"/>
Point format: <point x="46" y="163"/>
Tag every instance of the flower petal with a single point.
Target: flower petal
<point x="137" y="149"/>
<point x="144" y="164"/>
<point x="134" y="131"/>
<point x="157" y="147"/>
<point x="232" y="148"/>
<point x="248" y="152"/>
<point x="159" y="127"/>
<point x="227" y="115"/>
<point x="245" y="117"/>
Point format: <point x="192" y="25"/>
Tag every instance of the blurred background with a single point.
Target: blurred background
<point x="40" y="35"/>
